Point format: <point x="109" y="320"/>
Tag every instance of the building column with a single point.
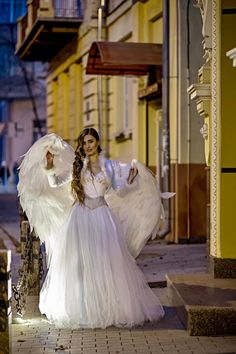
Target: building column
<point x="223" y="143"/>
<point x="215" y="95"/>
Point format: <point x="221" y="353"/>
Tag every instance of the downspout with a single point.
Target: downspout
<point x="147" y="134"/>
<point x="165" y="168"/>
<point x="188" y="122"/>
<point x="102" y="84"/>
<point x="99" y="78"/>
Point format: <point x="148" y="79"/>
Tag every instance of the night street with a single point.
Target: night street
<point x="117" y="131"/>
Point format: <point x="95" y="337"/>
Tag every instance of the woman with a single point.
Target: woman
<point x="92" y="281"/>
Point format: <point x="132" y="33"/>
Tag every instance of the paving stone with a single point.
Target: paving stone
<point x="167" y="336"/>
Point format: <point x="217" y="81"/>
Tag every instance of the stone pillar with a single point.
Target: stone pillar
<point x="223" y="145"/>
<point x="5" y="301"/>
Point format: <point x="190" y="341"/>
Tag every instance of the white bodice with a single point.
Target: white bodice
<point x="95" y="185"/>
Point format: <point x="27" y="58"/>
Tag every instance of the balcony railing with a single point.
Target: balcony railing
<point x="67" y="13"/>
<point x="67" y="8"/>
<point x="57" y="8"/>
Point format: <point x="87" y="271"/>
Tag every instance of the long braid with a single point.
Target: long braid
<point x="76" y="184"/>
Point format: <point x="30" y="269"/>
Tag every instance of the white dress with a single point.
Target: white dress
<point x="93" y="281"/>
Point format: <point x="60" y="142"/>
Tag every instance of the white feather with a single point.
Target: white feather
<point x="139" y="209"/>
<point x="46" y="208"/>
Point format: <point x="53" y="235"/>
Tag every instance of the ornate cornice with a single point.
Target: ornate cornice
<point x="200" y="91"/>
<point x="232" y="55"/>
<point x="214" y="133"/>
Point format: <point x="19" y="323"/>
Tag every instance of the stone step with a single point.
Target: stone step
<point x="206" y="306"/>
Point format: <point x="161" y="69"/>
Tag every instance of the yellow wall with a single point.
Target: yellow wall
<point x="228" y="92"/>
<point x="228" y="220"/>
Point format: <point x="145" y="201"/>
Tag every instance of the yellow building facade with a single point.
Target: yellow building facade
<point x="179" y="122"/>
<point x="73" y="101"/>
<point x="151" y="121"/>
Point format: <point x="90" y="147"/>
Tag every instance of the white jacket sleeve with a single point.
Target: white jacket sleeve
<point x="119" y="177"/>
<point x="58" y="179"/>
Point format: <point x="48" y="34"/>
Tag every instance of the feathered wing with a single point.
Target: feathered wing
<point x="46" y="207"/>
<point x="138" y="207"/>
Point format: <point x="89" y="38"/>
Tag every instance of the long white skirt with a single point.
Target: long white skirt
<point x="92" y="280"/>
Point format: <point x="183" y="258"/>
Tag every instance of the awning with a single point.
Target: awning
<point x="119" y="58"/>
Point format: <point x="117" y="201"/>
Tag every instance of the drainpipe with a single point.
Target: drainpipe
<point x="99" y="77"/>
<point x="147" y="134"/>
<point x="188" y="122"/>
<point x="165" y="169"/>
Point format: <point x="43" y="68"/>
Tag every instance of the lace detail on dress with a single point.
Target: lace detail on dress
<point x="93" y="203"/>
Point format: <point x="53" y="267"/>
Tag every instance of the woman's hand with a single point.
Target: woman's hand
<point x="132" y="174"/>
<point x="49" y="157"/>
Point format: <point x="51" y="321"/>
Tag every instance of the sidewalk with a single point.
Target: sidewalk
<point x="168" y="336"/>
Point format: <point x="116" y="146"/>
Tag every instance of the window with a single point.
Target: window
<point x="124" y="107"/>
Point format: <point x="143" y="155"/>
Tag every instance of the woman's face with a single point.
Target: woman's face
<point x="90" y="145"/>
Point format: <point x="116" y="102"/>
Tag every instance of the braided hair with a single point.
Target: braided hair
<point x="76" y="184"/>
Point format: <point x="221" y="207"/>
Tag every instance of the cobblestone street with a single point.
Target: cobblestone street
<point x="35" y="335"/>
<point x="164" y="337"/>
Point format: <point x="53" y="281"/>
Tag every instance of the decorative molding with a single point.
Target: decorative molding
<point x="232" y="55"/>
<point x="199" y="91"/>
<point x="205" y="7"/>
<point x="204" y="131"/>
<point x="214" y="147"/>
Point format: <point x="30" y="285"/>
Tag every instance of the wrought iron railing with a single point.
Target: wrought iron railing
<point x="62" y="8"/>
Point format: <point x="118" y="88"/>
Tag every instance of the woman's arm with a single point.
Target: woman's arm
<point x="54" y="179"/>
<point x="49" y="158"/>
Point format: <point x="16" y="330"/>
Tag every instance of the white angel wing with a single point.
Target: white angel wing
<point x="140" y="209"/>
<point x="46" y="207"/>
